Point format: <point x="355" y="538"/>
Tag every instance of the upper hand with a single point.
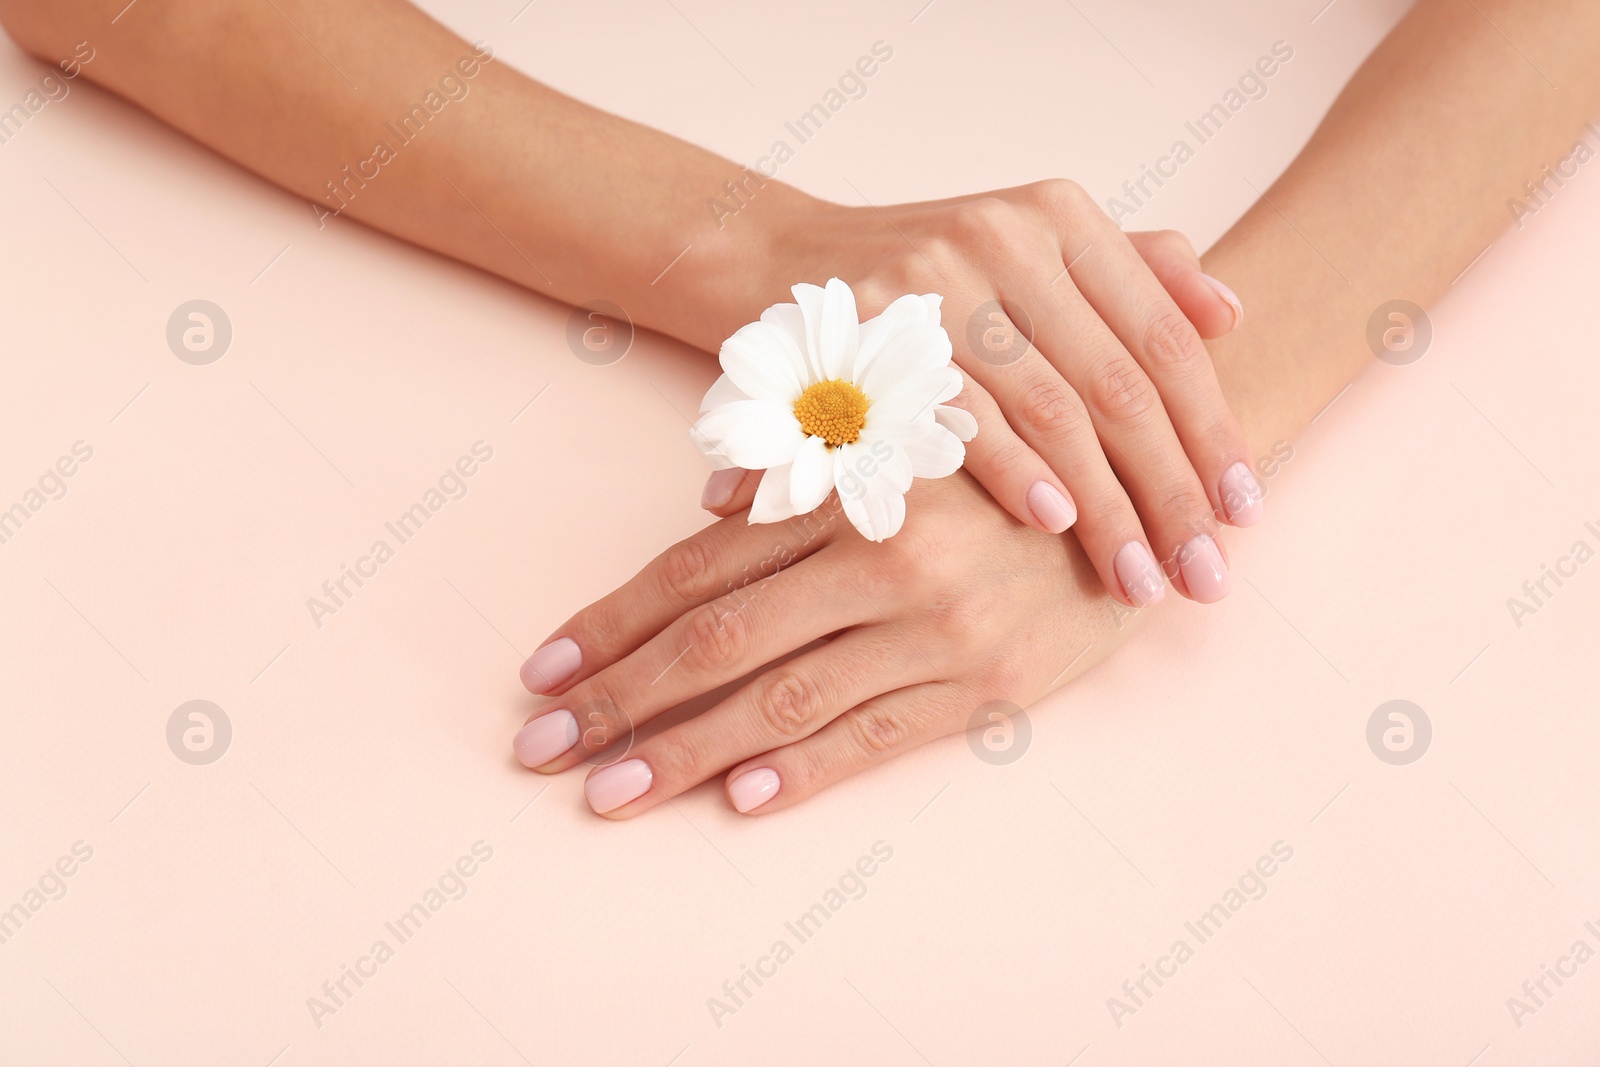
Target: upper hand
<point x="1097" y="404"/>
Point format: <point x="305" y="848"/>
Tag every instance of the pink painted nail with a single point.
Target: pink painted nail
<point x="552" y="665"/>
<point x="1053" y="510"/>
<point x="611" y="787"/>
<point x="545" y="738"/>
<point x="721" y="486"/>
<point x="1200" y="561"/>
<point x="1140" y="577"/>
<point x="753" y="788"/>
<point x="1228" y="295"/>
<point x="1241" y="495"/>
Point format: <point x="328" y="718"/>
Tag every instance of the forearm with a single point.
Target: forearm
<point x="1405" y="182"/>
<point x="505" y="174"/>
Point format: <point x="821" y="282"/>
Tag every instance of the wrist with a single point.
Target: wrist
<point x="745" y="261"/>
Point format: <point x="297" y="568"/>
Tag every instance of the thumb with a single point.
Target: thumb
<point x="1210" y="305"/>
<point x="729" y="491"/>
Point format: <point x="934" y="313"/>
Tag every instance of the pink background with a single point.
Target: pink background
<point x="372" y="752"/>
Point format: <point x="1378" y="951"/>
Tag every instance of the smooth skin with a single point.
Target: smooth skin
<point x="1402" y="186"/>
<point x="970" y="607"/>
<point x="1112" y="421"/>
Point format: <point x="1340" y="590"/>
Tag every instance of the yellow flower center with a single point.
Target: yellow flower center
<point x="834" y="411"/>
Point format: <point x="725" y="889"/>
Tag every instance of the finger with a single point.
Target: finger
<point x="723" y="557"/>
<point x="1004" y="464"/>
<point x="730" y="491"/>
<point x="871" y="733"/>
<point x="786" y="704"/>
<point x="1049" y="417"/>
<point x="1125" y="409"/>
<point x="708" y="647"/>
<point x="1205" y="301"/>
<point x="1126" y="295"/>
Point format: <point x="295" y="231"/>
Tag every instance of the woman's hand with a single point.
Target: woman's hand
<point x="962" y="607"/>
<point x="1111" y="418"/>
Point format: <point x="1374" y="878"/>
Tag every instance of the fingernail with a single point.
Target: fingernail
<point x="1053" y="510"/>
<point x="1241" y="495"/>
<point x="1140" y="577"/>
<point x="1200" y="561"/>
<point x="753" y="788"/>
<point x="720" y="487"/>
<point x="611" y="787"/>
<point x="1228" y="295"/>
<point x="545" y="738"/>
<point x="552" y="665"/>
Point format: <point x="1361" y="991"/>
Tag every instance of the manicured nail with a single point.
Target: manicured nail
<point x="1200" y="561"/>
<point x="1228" y="295"/>
<point x="753" y="788"/>
<point x="611" y="787"/>
<point x="1241" y="495"/>
<point x="1054" y="511"/>
<point x="720" y="487"/>
<point x="545" y="738"/>
<point x="1140" y="577"/>
<point x="552" y="665"/>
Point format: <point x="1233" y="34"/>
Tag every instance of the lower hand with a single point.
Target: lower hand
<point x="963" y="606"/>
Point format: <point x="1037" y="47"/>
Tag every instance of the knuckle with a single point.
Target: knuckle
<point x="674" y="758"/>
<point x="788" y="703"/>
<point x="1049" y="405"/>
<point x="718" y="636"/>
<point x="600" y="631"/>
<point x="600" y="717"/>
<point x="1171" y="341"/>
<point x="1188" y="505"/>
<point x="1172" y="242"/>
<point x="687" y="571"/>
<point x="1062" y="200"/>
<point x="879" y="731"/>
<point x="1121" y="391"/>
<point x="984" y="219"/>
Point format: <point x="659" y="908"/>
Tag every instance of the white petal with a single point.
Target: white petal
<point x="913" y="401"/>
<point x="915" y="349"/>
<point x="876" y="465"/>
<point x="755" y="434"/>
<point x="876" y="331"/>
<point x="722" y="391"/>
<point x="710" y="450"/>
<point x="934" y="452"/>
<point x="958" y="421"/>
<point x="809" y="299"/>
<point x="841" y="330"/>
<point x="772" y="497"/>
<point x="877" y="516"/>
<point x="811" y="478"/>
<point x="765" y="363"/>
<point x="932" y="301"/>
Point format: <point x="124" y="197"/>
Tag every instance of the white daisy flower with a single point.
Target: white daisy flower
<point x="821" y="402"/>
